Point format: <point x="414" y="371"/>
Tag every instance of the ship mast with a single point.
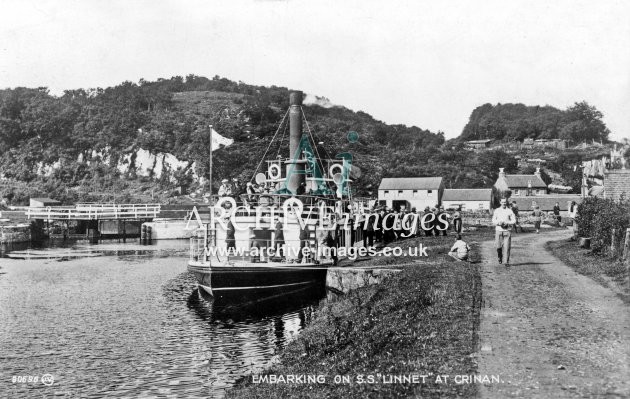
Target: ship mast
<point x="210" y="170"/>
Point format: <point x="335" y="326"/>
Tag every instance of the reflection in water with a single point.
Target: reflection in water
<point x="243" y="337"/>
<point x="63" y="250"/>
<point x="129" y="323"/>
<point x="252" y="307"/>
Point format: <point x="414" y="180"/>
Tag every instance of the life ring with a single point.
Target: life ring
<point x="331" y="169"/>
<point x="274" y="171"/>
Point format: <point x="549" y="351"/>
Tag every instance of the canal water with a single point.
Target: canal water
<point x="126" y="320"/>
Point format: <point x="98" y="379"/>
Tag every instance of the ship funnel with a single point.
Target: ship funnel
<point x="297" y="177"/>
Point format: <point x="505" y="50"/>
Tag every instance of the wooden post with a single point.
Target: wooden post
<point x="626" y="248"/>
<point x="626" y="254"/>
<point x="613" y="246"/>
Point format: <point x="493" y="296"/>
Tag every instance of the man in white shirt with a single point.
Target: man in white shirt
<point x="503" y="219"/>
<point x="460" y="249"/>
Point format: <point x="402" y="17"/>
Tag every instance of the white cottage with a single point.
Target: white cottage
<point x="411" y="192"/>
<point x="469" y="199"/>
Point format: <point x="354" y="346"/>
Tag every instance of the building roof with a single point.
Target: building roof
<point x="410" y="183"/>
<point x="483" y="141"/>
<point x="523" y="181"/>
<point x="467" y="194"/>
<point x="617" y="183"/>
<point x="545" y="202"/>
<point x="44" y="199"/>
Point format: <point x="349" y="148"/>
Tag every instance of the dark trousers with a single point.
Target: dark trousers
<point x="368" y="239"/>
<point x="278" y="249"/>
<point x="388" y="236"/>
<point x="457" y="225"/>
<point x="303" y="244"/>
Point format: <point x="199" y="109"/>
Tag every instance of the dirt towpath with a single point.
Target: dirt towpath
<point x="548" y="331"/>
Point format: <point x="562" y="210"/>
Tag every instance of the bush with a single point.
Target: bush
<point x="586" y="213"/>
<point x="598" y="217"/>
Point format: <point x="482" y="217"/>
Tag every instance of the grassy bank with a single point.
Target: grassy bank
<point x="609" y="272"/>
<point x="421" y="321"/>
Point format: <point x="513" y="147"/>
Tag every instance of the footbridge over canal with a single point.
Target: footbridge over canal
<point x="96" y="220"/>
<point x="95" y="212"/>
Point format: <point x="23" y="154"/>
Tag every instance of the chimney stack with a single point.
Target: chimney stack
<point x="537" y="172"/>
<point x="501" y="172"/>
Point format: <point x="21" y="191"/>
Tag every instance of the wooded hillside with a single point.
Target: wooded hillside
<point x="71" y="147"/>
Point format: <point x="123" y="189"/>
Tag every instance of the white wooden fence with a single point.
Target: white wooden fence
<point x="95" y="212"/>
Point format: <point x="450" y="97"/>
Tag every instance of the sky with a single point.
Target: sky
<point x="423" y="63"/>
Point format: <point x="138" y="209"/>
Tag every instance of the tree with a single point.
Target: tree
<point x="584" y="123"/>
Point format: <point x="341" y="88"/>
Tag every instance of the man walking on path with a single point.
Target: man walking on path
<point x="556" y="212"/>
<point x="503" y="219"/>
<point x="515" y="211"/>
<point x="537" y="217"/>
<point x="547" y="331"/>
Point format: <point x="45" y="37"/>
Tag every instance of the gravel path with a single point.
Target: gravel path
<point x="548" y="331"/>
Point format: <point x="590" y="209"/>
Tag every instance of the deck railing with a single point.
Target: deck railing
<point x="198" y="244"/>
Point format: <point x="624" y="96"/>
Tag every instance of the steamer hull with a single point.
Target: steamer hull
<point x="264" y="279"/>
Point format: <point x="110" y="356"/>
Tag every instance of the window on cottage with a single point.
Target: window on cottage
<point x="517" y="192"/>
<point x="400" y="193"/>
<point x="415" y="193"/>
<point x="429" y="192"/>
<point x="386" y="193"/>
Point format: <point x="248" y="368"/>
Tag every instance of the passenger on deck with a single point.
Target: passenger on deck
<point x="279" y="239"/>
<point x="249" y="187"/>
<point x="236" y="186"/>
<point x="230" y="240"/>
<point x="304" y="236"/>
<point x="225" y="190"/>
<point x="332" y="242"/>
<point x="254" y="248"/>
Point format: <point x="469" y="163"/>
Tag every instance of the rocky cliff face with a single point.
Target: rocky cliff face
<point x="141" y="161"/>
